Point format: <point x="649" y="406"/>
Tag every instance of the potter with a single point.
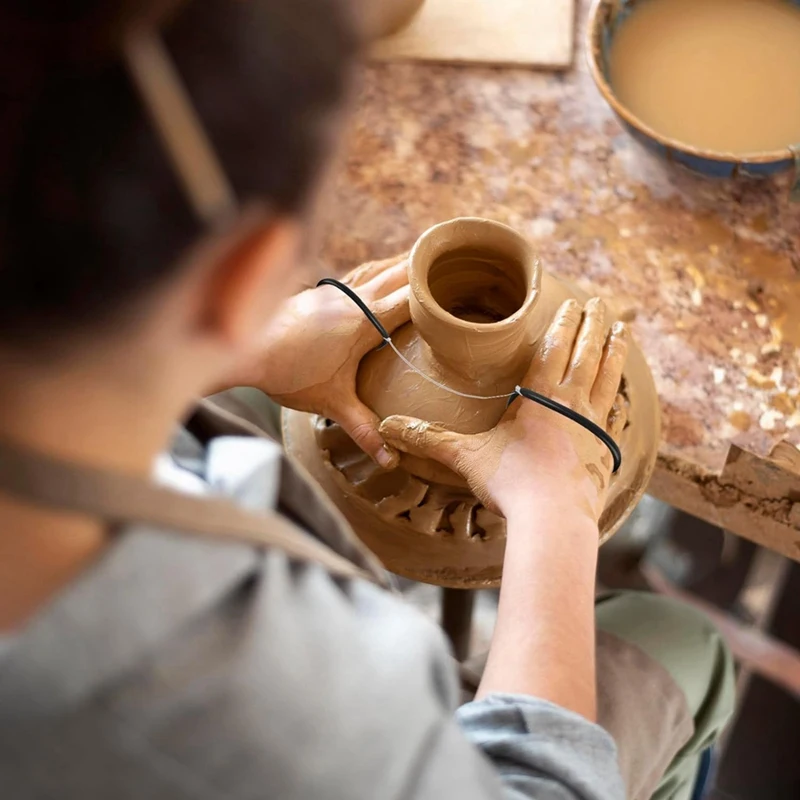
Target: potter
<point x="183" y="610"/>
<point x="480" y="305"/>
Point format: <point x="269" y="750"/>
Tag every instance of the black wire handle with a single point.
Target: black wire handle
<point x="343" y="287"/>
<point x="519" y="391"/>
<point x="570" y="413"/>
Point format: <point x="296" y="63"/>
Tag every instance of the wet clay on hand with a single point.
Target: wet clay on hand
<point x="480" y="306"/>
<point x="578" y="363"/>
<point x="313" y="348"/>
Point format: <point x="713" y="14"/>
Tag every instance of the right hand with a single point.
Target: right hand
<point x="534" y="454"/>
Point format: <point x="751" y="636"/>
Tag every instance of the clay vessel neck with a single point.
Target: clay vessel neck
<point x="474" y="284"/>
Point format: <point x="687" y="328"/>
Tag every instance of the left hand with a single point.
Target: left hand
<point x="533" y="456"/>
<point x="311" y="350"/>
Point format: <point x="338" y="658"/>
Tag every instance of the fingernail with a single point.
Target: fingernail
<point x="386" y="427"/>
<point x="386" y="458"/>
<point x="618" y="328"/>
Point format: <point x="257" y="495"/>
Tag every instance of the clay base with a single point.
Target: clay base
<point x="386" y="527"/>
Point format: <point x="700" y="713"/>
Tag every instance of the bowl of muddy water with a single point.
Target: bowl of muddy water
<point x="713" y="85"/>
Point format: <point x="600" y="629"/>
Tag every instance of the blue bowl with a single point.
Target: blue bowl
<point x="604" y="17"/>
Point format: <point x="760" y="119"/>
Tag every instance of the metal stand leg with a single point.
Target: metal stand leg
<point x="457" y="605"/>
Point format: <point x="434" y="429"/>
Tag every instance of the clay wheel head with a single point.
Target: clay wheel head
<point x="435" y="532"/>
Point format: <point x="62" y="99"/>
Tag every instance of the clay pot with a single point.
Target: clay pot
<point x="474" y="285"/>
<point x="380" y="18"/>
<point x="479" y="304"/>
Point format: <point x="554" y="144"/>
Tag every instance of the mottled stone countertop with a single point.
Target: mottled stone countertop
<point x="713" y="268"/>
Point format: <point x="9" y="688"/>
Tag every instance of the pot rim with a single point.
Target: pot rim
<point x="422" y="293"/>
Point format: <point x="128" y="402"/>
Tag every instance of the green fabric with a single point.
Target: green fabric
<point x="688" y="646"/>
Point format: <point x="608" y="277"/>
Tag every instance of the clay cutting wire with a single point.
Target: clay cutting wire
<point x="519" y="391"/>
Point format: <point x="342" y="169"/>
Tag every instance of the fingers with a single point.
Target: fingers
<point x="387" y="281"/>
<point x="585" y="360"/>
<point x="366" y="272"/>
<point x="552" y="358"/>
<point x="361" y="424"/>
<point x="393" y="311"/>
<point x="612" y="362"/>
<point x="617" y="417"/>
<point x="422" y="439"/>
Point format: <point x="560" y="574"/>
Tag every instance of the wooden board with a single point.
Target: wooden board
<point x="538" y="33"/>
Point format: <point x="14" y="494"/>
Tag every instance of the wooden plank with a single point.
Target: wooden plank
<point x="520" y="32"/>
<point x="754" y="497"/>
<point x="759" y="598"/>
<point x="761" y="592"/>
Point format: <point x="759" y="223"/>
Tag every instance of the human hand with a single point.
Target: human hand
<point x="310" y="352"/>
<point x="535" y="454"/>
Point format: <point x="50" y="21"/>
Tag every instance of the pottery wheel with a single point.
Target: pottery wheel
<point x="438" y="533"/>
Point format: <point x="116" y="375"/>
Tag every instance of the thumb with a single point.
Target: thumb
<point x="394" y="310"/>
<point x="422" y="439"/>
<point x="361" y="425"/>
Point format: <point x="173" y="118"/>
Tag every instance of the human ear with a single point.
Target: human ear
<point x="249" y="282"/>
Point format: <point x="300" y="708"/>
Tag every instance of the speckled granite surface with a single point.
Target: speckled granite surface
<point x="713" y="268"/>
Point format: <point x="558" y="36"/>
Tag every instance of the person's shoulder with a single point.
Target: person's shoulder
<point x="298" y="678"/>
<point x="240" y="668"/>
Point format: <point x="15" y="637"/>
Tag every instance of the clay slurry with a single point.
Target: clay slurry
<point x="722" y="75"/>
<point x="477" y="285"/>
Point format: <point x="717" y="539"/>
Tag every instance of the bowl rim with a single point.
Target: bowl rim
<point x="788" y="153"/>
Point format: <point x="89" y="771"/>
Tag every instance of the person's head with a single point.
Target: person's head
<point x="97" y="232"/>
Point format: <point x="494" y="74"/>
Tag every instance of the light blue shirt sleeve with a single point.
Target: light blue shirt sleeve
<point x="540" y="750"/>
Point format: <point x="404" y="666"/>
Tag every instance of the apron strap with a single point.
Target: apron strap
<point x="300" y="498"/>
<point x="117" y="498"/>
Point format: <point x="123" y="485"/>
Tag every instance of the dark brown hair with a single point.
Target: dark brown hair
<point x="92" y="216"/>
